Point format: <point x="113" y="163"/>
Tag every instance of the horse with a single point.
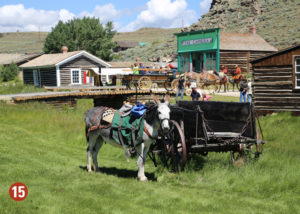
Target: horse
<point x="208" y="78"/>
<point x="203" y="79"/>
<point x="223" y="81"/>
<point x="156" y="122"/>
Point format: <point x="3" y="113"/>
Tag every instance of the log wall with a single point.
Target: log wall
<point x="28" y="77"/>
<point x="230" y="58"/>
<point x="46" y="76"/>
<point x="273" y="89"/>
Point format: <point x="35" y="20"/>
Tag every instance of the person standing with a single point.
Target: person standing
<point x="141" y="67"/>
<point x="249" y="95"/>
<point x="243" y="90"/>
<point x="135" y="68"/>
<point x="180" y="86"/>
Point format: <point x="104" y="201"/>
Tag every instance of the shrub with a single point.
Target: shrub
<point x="1" y="70"/>
<point x="9" y="72"/>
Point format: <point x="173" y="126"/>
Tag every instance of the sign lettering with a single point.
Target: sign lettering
<point x="197" y="41"/>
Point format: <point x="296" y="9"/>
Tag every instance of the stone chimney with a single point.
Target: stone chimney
<point x="252" y="30"/>
<point x="64" y="49"/>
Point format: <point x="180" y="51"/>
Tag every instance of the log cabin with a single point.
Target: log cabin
<point x="74" y="68"/>
<point x="276" y="85"/>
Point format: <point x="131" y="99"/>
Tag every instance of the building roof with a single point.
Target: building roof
<point x="244" y="42"/>
<point x="276" y="53"/>
<point x="6" y="59"/>
<point x="127" y="44"/>
<point x="51" y="60"/>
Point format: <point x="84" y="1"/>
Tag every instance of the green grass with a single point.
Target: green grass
<point x="15" y="87"/>
<point x="45" y="148"/>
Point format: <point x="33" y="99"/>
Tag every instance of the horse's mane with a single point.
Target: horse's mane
<point x="150" y="112"/>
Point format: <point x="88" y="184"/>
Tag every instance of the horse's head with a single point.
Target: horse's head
<point x="163" y="112"/>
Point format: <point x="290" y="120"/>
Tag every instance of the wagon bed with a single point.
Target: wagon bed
<point x="214" y="127"/>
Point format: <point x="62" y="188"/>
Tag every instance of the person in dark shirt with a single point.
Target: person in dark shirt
<point x="195" y="95"/>
<point x="243" y="90"/>
<point x="180" y="86"/>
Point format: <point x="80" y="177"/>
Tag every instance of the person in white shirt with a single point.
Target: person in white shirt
<point x="249" y="95"/>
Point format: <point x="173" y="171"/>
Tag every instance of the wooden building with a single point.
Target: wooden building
<point x="208" y="49"/>
<point x="276" y="84"/>
<point x="124" y="45"/>
<point x="64" y="69"/>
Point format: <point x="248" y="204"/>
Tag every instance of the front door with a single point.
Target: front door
<point x="35" y="78"/>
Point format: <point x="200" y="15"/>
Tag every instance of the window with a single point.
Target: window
<point x="297" y="72"/>
<point x="211" y="61"/>
<point x="185" y="62"/>
<point x="76" y="76"/>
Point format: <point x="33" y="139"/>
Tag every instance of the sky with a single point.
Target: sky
<point x="127" y="15"/>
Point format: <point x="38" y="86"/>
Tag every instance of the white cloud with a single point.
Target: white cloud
<point x="16" y="17"/>
<point x="163" y="13"/>
<point x="205" y="6"/>
<point x="105" y="13"/>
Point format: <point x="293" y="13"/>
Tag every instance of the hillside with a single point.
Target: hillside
<point x="22" y="42"/>
<point x="276" y="22"/>
<point x="149" y="35"/>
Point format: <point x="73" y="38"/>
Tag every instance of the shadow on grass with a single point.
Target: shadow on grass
<point x="195" y="162"/>
<point x="122" y="173"/>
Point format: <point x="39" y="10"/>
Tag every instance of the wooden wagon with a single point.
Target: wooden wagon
<point x="167" y="80"/>
<point x="202" y="127"/>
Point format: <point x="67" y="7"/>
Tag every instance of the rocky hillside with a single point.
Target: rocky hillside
<point x="277" y="21"/>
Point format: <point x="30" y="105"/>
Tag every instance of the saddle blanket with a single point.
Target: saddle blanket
<point x="127" y="126"/>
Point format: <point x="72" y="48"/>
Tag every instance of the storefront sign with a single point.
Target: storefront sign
<point x="197" y="41"/>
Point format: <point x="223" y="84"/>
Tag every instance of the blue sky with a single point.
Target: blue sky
<point x="130" y="15"/>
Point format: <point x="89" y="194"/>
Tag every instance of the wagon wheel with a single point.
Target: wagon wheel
<point x="176" y="154"/>
<point x="248" y="152"/>
<point x="144" y="83"/>
<point x="174" y="85"/>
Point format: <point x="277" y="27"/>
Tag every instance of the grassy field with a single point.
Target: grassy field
<point x="22" y="42"/>
<point x="15" y="87"/>
<point x="45" y="148"/>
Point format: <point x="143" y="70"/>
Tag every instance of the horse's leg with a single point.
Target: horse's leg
<point x="92" y="140"/>
<point x="142" y="151"/>
<point x="99" y="143"/>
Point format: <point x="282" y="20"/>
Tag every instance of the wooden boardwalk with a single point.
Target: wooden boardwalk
<point x="113" y="97"/>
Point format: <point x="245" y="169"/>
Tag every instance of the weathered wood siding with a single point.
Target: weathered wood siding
<point x="46" y="76"/>
<point x="28" y="77"/>
<point x="273" y="89"/>
<point x="231" y="58"/>
<point x="81" y="62"/>
<point x="282" y="58"/>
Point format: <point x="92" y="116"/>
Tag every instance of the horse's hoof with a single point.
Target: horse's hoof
<point x="143" y="179"/>
<point x="89" y="170"/>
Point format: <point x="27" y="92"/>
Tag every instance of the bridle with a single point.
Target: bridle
<point x="154" y="107"/>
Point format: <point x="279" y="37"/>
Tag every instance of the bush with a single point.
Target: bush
<point x="9" y="73"/>
<point x="1" y="70"/>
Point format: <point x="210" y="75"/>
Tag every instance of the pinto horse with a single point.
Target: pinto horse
<point x="156" y="122"/>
